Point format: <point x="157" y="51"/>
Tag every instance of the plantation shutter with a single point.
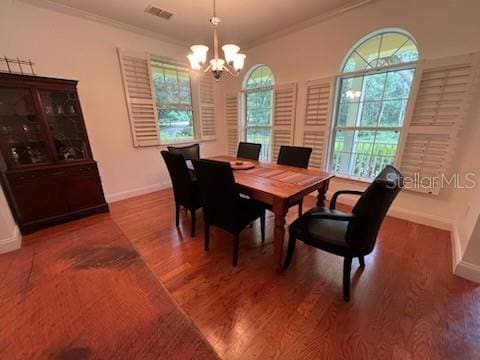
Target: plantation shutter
<point x="231" y="117"/>
<point x="139" y="97"/>
<point x="207" y="107"/>
<point x="318" y="104"/>
<point x="441" y="96"/>
<point x="284" y="107"/>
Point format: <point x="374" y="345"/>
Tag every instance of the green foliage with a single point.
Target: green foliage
<point x="174" y="102"/>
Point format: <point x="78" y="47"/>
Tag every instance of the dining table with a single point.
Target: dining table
<point x="281" y="187"/>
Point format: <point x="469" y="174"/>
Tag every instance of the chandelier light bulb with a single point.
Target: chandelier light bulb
<point x="217" y="64"/>
<point x="200" y="51"/>
<point x="230" y="51"/>
<point x="239" y="61"/>
<point x="195" y="62"/>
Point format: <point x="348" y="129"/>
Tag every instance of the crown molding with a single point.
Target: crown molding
<point x="310" y="22"/>
<point x="68" y="10"/>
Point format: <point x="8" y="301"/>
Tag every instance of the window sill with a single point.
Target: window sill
<point x="353" y="178"/>
<point x="185" y="142"/>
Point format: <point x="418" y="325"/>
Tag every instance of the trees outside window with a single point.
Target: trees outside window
<point x="258" y="97"/>
<point x="174" y="101"/>
<point x="372" y="98"/>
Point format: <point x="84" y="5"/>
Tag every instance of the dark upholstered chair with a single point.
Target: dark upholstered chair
<point x="294" y="156"/>
<point x="249" y="151"/>
<point x="351" y="235"/>
<point x="185" y="188"/>
<point x="223" y="206"/>
<point x="191" y="152"/>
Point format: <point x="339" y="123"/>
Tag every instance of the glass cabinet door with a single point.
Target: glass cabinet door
<point x="21" y="137"/>
<point x="65" y="123"/>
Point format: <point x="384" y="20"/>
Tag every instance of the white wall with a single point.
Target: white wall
<point x="10" y="238"/>
<point x="74" y="48"/>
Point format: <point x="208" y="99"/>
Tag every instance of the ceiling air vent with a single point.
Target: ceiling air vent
<point x="158" y="11"/>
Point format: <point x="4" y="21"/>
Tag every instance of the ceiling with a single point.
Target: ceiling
<point x="243" y="21"/>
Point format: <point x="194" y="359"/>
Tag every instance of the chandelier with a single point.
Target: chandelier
<point x="232" y="63"/>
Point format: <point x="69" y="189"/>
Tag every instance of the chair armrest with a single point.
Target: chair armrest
<point x="328" y="214"/>
<point x="333" y="202"/>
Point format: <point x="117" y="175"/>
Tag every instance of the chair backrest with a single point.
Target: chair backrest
<point x="219" y="192"/>
<point x="191" y="152"/>
<point x="294" y="156"/>
<point x="371" y="208"/>
<point x="248" y="150"/>
<point x="179" y="174"/>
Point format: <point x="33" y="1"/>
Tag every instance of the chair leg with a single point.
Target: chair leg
<point x="236" y="246"/>
<point x="262" y="227"/>
<point x="291" y="250"/>
<point x="361" y="260"/>
<point x="300" y="208"/>
<point x="177" y="214"/>
<point x="207" y="236"/>
<point x="194" y="218"/>
<point x="347" y="267"/>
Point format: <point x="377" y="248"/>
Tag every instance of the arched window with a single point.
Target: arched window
<point x="372" y="97"/>
<point x="258" y="101"/>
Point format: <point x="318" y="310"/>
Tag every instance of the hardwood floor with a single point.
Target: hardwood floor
<point x="85" y="293"/>
<point x="406" y="304"/>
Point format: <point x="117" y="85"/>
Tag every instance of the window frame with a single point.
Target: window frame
<point x="192" y="106"/>
<point x="379" y="70"/>
<point x="245" y="91"/>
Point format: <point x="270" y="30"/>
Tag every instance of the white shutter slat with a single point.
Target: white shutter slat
<point x="141" y="106"/>
<point x="284" y="108"/>
<point x="440" y="101"/>
<point x="231" y="118"/>
<point x="318" y="99"/>
<point x="207" y="107"/>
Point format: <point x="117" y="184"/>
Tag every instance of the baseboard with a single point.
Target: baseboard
<point x="136" y="192"/>
<point x="468" y="271"/>
<point x="407" y="214"/>
<point x="14" y="242"/>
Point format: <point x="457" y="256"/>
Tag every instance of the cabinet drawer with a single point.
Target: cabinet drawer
<point x="38" y="197"/>
<point x="82" y="188"/>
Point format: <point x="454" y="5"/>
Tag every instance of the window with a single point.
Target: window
<point x="173" y="97"/>
<point x="258" y="95"/>
<point x="372" y="96"/>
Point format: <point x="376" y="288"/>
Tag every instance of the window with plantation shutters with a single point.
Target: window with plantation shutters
<point x="442" y="93"/>
<point x="165" y="104"/>
<point x="284" y="107"/>
<point x="231" y="118"/>
<point x="139" y="96"/>
<point x="318" y="97"/>
<point x="207" y="107"/>
<point x="372" y="94"/>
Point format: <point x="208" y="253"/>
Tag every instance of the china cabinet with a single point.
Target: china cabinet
<point x="47" y="170"/>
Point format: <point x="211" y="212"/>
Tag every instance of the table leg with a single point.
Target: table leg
<point x="280" y="210"/>
<point x="322" y="193"/>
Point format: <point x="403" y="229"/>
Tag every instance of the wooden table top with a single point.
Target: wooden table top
<point x="279" y="181"/>
<point x="88" y="294"/>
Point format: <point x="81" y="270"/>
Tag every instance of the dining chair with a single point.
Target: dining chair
<point x="249" y="151"/>
<point x="222" y="205"/>
<point x="185" y="187"/>
<point x="190" y="152"/>
<point x="296" y="156"/>
<point x="350" y="235"/>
